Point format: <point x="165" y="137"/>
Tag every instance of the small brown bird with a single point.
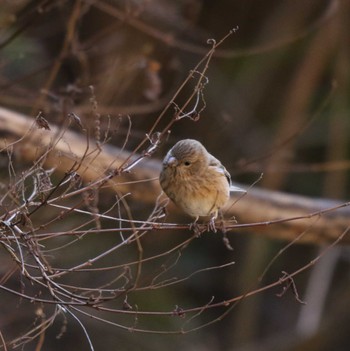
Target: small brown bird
<point x="195" y="180"/>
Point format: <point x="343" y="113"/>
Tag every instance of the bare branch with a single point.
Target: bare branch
<point x="260" y="208"/>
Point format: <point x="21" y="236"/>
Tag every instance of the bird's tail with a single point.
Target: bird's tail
<point x="236" y="189"/>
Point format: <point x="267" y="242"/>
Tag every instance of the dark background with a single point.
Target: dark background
<point x="277" y="102"/>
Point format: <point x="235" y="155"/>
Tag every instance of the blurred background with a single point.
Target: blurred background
<point x="277" y="102"/>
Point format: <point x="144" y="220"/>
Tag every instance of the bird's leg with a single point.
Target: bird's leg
<point x="195" y="227"/>
<point x="194" y="223"/>
<point x="211" y="224"/>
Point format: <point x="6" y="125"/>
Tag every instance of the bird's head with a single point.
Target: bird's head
<point x="187" y="157"/>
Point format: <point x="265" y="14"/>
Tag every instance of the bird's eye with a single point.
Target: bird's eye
<point x="187" y="163"/>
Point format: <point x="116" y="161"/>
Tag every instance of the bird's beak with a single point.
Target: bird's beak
<point x="170" y="161"/>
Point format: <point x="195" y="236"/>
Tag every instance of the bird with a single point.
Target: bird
<point x="195" y="180"/>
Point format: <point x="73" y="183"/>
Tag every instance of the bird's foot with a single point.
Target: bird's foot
<point x="196" y="228"/>
<point x="211" y="225"/>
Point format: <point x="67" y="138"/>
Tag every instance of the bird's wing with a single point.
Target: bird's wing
<point x="214" y="162"/>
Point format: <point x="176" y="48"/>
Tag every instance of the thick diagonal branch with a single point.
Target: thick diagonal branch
<point x="307" y="215"/>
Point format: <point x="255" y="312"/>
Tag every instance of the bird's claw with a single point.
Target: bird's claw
<point x="196" y="229"/>
<point x="211" y="225"/>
